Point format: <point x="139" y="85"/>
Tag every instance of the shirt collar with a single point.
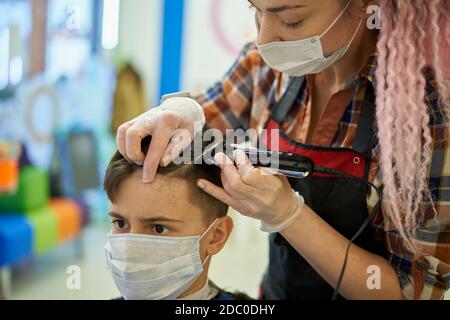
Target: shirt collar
<point x="371" y="69"/>
<point x="368" y="72"/>
<point x="208" y="292"/>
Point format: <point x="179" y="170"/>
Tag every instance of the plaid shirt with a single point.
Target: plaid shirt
<point x="242" y="99"/>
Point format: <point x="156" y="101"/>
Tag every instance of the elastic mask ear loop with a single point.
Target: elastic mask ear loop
<point x="206" y="260"/>
<point x="209" y="229"/>
<point x="356" y="32"/>
<point x="208" y="257"/>
<point x="337" y="19"/>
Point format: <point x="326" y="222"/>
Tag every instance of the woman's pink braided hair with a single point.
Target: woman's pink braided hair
<point x="415" y="34"/>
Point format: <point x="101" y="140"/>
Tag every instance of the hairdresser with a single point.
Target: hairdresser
<point x="361" y="88"/>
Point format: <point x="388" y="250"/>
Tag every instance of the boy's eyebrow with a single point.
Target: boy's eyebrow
<point x="113" y="214"/>
<point x="158" y="219"/>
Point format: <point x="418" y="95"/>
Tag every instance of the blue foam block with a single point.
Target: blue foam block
<point x="16" y="238"/>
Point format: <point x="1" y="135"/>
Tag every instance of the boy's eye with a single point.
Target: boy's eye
<point x="160" y="229"/>
<point x="120" y="224"/>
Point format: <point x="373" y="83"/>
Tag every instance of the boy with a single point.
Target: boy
<point x="164" y="233"/>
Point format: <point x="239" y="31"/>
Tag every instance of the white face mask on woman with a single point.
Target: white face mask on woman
<point x="302" y="57"/>
<point x="154" y="268"/>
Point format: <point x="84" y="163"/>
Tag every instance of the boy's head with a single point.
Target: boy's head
<point x="171" y="206"/>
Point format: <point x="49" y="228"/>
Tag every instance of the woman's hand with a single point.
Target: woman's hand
<point x="251" y="191"/>
<point x="173" y="126"/>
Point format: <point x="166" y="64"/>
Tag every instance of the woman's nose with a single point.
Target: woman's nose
<point x="267" y="31"/>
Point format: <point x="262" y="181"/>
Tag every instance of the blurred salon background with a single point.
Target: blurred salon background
<point x="71" y="71"/>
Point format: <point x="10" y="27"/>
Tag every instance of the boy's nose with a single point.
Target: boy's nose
<point x="138" y="230"/>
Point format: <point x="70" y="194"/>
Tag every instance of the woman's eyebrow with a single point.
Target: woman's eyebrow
<point x="284" y="8"/>
<point x="281" y="8"/>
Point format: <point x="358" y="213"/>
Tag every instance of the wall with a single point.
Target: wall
<point x="140" y="38"/>
<point x="215" y="31"/>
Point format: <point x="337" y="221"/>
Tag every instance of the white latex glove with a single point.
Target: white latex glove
<point x="172" y="126"/>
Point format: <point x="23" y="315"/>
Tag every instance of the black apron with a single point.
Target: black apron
<point x="340" y="201"/>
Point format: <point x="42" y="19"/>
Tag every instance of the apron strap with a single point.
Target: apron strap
<point x="281" y="109"/>
<point x="366" y="127"/>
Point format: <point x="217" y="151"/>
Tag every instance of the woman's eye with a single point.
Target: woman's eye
<point x="120" y="224"/>
<point x="160" y="229"/>
<point x="293" y="25"/>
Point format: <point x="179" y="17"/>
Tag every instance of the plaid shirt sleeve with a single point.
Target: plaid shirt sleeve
<point x="430" y="272"/>
<point x="425" y="276"/>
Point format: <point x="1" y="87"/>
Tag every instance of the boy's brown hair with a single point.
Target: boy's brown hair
<point x="120" y="169"/>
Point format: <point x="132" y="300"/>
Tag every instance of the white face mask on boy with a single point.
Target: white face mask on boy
<point x="154" y="268"/>
<point x="303" y="57"/>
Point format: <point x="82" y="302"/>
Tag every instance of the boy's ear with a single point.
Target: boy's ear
<point x="220" y="235"/>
